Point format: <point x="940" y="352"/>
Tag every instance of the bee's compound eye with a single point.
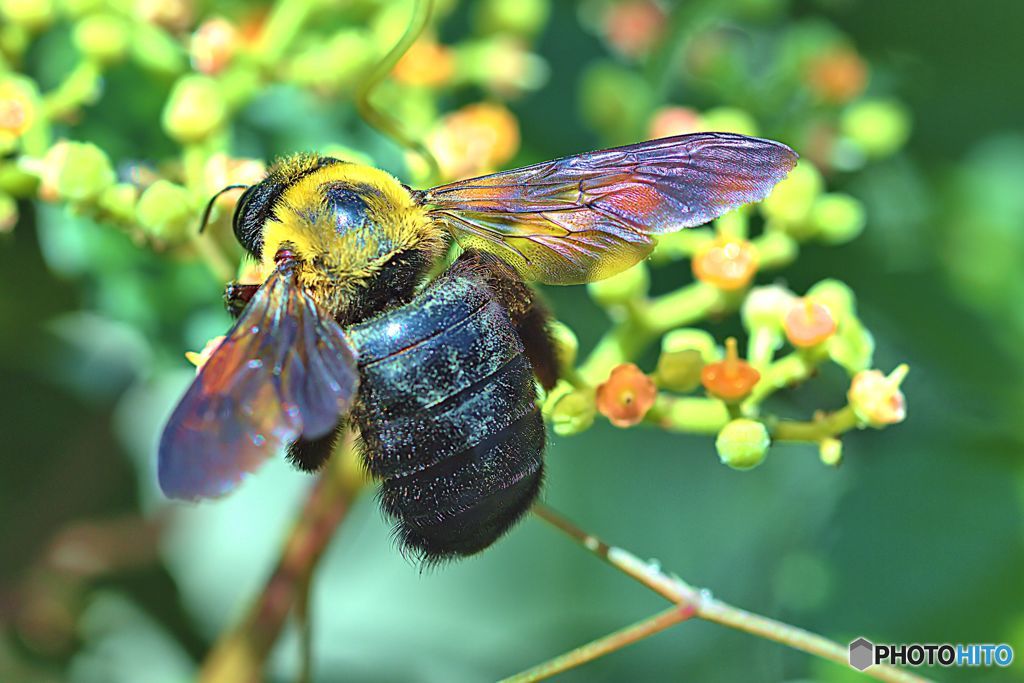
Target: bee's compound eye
<point x="254" y="208"/>
<point x="243" y="199"/>
<point x="347" y="207"/>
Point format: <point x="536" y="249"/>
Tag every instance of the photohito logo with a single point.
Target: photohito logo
<point x="864" y="653"/>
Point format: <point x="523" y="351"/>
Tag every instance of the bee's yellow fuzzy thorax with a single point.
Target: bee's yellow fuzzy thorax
<point x="335" y="262"/>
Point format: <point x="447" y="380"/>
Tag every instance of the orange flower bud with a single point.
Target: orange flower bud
<point x="222" y="170"/>
<point x="669" y="121"/>
<point x="809" y="323"/>
<point x="477" y="138"/>
<point x="199" y="359"/>
<point x="16" y="111"/>
<point x="626" y="396"/>
<point x="213" y="45"/>
<point x="634" y="26"/>
<point x="838" y="76"/>
<point x="731" y="379"/>
<point x="877" y="399"/>
<point x="427" y="63"/>
<point x="726" y="263"/>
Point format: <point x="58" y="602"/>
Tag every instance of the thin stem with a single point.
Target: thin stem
<point x="706" y="607"/>
<point x="305" y="628"/>
<point x="822" y="427"/>
<point x="421" y="12"/>
<point x="81" y="86"/>
<point x="239" y="655"/>
<point x="645" y="322"/>
<point x="602" y="646"/>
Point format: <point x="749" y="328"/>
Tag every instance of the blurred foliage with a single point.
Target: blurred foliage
<point x="118" y="120"/>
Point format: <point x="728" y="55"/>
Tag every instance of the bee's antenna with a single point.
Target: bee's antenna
<point x="421" y="12"/>
<point x="209" y="204"/>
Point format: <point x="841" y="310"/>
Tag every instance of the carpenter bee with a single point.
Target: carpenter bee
<point x="438" y="375"/>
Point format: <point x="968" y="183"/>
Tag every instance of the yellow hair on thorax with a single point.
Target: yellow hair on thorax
<point x="334" y="263"/>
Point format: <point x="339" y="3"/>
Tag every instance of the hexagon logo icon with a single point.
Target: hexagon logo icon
<point x="862" y="654"/>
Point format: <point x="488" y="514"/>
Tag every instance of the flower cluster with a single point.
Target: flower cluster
<point x="840" y="125"/>
<point x="218" y="65"/>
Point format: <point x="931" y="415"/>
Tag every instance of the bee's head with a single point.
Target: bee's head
<point x="256" y="206"/>
<point x="361" y="240"/>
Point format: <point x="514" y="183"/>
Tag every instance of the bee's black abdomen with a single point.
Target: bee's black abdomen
<point x="448" y="416"/>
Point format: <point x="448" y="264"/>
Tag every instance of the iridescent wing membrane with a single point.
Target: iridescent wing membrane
<point x="586" y="217"/>
<point x="284" y="371"/>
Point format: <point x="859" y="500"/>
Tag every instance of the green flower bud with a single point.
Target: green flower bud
<point x="837" y="296"/>
<point x="686" y="338"/>
<point x="791" y="202"/>
<point x="8" y="213"/>
<point x="84" y="171"/>
<point x="339" y="61"/>
<point x="742" y="443"/>
<point x="676" y="246"/>
<point x="520" y="17"/>
<point x="631" y="284"/>
<point x="852" y="347"/>
<point x="14" y="40"/>
<point x="80" y="8"/>
<point x="679" y="370"/>
<point x="729" y="120"/>
<point x="766" y="307"/>
<point x="195" y="109"/>
<point x="566" y="345"/>
<point x="165" y="210"/>
<point x="119" y="201"/>
<point x="30" y="14"/>
<point x="763" y="313"/>
<point x="570" y="410"/>
<point x="102" y="37"/>
<point x="501" y="64"/>
<point x="830" y="451"/>
<point x="879" y="127"/>
<point x="156" y="49"/>
<point x="614" y="99"/>
<point x="837" y="218"/>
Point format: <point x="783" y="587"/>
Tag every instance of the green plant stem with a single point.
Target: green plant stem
<point x="701" y="604"/>
<point x="602" y="646"/>
<point x="776" y="250"/>
<point x="788" y="370"/>
<point x="81" y="86"/>
<point x="645" y="322"/>
<point x="421" y="12"/>
<point x="822" y="427"/>
<point x="682" y="307"/>
<point x="282" y="28"/>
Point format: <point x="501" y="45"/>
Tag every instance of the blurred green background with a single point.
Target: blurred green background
<point x="917" y="537"/>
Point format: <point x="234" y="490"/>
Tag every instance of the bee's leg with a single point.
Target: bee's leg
<point x="310" y="455"/>
<point x="540" y="347"/>
<point x="237" y="296"/>
<point x="529" y="314"/>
